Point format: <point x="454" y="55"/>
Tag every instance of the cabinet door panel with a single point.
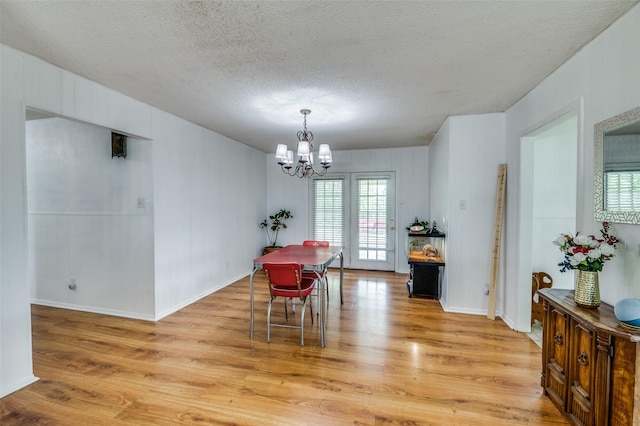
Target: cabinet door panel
<point x="623" y="383"/>
<point x="556" y="368"/>
<point x="581" y="374"/>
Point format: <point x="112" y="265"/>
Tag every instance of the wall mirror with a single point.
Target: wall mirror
<point x="617" y="168"/>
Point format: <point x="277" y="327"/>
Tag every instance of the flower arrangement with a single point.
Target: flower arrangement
<point x="586" y="252"/>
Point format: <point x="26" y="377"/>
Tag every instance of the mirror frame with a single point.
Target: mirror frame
<point x="599" y="130"/>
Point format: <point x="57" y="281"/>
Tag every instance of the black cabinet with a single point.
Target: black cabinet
<point x="424" y="279"/>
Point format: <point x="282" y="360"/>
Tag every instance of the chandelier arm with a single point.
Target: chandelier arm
<point x="304" y="170"/>
<point x="288" y="171"/>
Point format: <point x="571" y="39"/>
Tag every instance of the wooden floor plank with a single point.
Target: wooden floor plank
<point x="390" y="359"/>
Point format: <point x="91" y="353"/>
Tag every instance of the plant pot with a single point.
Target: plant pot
<point x="587" y="289"/>
<point x="269" y="249"/>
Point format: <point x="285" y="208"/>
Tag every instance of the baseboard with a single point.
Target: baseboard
<point x="94" y="310"/>
<point x="466" y="310"/>
<point x="17" y="385"/>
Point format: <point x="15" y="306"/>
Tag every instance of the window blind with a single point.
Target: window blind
<point x="328" y="211"/>
<point x="622" y="191"/>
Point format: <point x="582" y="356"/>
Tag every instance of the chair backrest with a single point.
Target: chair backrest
<point x="283" y="274"/>
<point x="315" y="243"/>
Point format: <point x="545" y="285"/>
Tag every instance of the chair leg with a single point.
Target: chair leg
<point x="269" y="321"/>
<point x="318" y="296"/>
<point x="304" y="305"/>
<point x="286" y="313"/>
<point x="326" y="285"/>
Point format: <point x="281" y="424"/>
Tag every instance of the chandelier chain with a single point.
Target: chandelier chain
<point x="305" y="135"/>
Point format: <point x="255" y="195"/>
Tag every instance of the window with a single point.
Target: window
<point x="328" y="211"/>
<point x="622" y="191"/>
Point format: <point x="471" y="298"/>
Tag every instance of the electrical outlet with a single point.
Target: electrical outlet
<point x="72" y="284"/>
<point x="486" y="289"/>
<point x="141" y="203"/>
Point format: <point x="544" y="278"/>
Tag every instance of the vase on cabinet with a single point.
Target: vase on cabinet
<point x="587" y="289"/>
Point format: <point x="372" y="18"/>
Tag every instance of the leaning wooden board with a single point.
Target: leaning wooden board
<point x="497" y="237"/>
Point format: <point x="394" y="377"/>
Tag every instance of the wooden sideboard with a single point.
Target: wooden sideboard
<point x="590" y="363"/>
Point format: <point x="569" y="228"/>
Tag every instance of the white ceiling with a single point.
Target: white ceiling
<point x="374" y="73"/>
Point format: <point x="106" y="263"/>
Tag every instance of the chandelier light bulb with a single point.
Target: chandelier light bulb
<point x="303" y="148"/>
<point x="324" y="153"/>
<point x="281" y="152"/>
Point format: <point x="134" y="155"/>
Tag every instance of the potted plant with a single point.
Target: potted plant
<point x="273" y="225"/>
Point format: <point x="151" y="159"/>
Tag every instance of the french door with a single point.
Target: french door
<point x="373" y="221"/>
<point x="357" y="212"/>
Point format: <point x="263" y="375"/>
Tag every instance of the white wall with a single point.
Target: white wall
<point x="464" y="160"/>
<point x="209" y="196"/>
<point x="604" y="77"/>
<point x="15" y="348"/>
<point x="439" y="200"/>
<point x="84" y="220"/>
<point x="208" y="192"/>
<point x="410" y="167"/>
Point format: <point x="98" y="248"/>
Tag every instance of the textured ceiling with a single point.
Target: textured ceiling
<point x="374" y="73"/>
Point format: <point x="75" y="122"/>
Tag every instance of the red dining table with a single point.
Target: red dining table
<point x="316" y="259"/>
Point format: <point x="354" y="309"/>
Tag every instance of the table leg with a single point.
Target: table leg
<point x="255" y="269"/>
<point x="323" y="308"/>
<point x="341" y="277"/>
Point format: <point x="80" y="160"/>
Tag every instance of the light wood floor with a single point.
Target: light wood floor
<point x="389" y="360"/>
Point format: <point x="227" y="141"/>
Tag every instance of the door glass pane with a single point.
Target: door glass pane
<point x="372" y="218"/>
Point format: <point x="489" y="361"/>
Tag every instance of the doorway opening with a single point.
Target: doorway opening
<point x="90" y="218"/>
<point x="548" y="203"/>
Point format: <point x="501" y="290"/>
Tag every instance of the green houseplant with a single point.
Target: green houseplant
<point x="274" y="224"/>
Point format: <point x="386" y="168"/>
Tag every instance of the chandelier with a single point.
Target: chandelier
<point x="305" y="167"/>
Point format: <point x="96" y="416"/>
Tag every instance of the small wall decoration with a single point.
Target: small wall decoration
<point x="118" y="145"/>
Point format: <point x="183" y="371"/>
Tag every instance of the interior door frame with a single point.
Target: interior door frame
<point x="525" y="220"/>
